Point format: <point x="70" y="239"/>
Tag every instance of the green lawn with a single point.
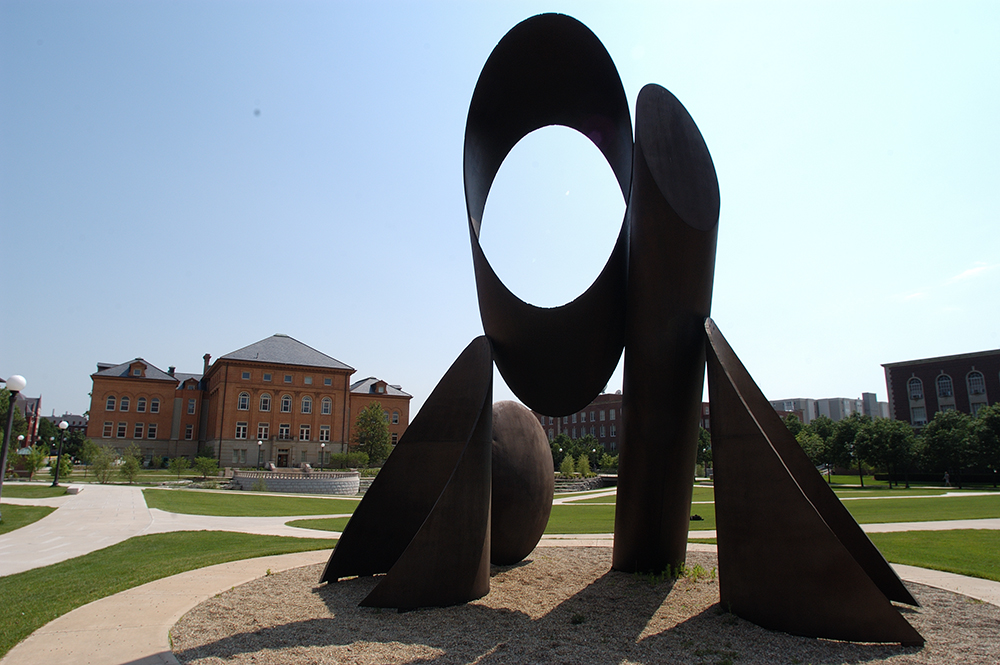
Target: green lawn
<point x="586" y="518"/>
<point x="700" y="493"/>
<point x="974" y="552"/>
<point x="925" y="510"/>
<point x="16" y="491"/>
<point x="14" y="517"/>
<point x="325" y="524"/>
<point x="35" y="597"/>
<point x="194" y="502"/>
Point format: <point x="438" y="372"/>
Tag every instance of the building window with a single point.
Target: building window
<point x="123" y="404"/>
<point x="288" y="378"/>
<point x="324" y="433"/>
<point x="151" y="431"/>
<point x="550" y="433"/>
<point x="137" y="433"/>
<point x="267" y="376"/>
<point x="246" y="376"/>
<point x="326" y="406"/>
<point x="307" y="404"/>
<point x="976" y="406"/>
<point x="137" y="372"/>
<point x="122" y="430"/>
<point x="191" y="406"/>
<point x="140" y="405"/>
<point x="154" y="405"/>
<point x="573" y="418"/>
<point x="385" y="414"/>
<point x="286" y="403"/>
<point x="916" y="389"/>
<point x="241" y="430"/>
<point x="303" y="432"/>
<point x="395" y="417"/>
<point x="565" y="420"/>
<point x="602" y="415"/>
<point x="613" y="431"/>
<point x="108" y="427"/>
<point x="947" y="407"/>
<point x="591" y="430"/>
<point x="327" y="381"/>
<point x="612" y="416"/>
<point x="110" y="404"/>
<point x="243" y="403"/>
<point x="918" y="416"/>
<point x="602" y="429"/>
<point x="265" y="402"/>
<point x="944" y="386"/>
<point x="188" y="432"/>
<point x="592" y="416"/>
<point x="573" y="434"/>
<point x="263" y="429"/>
<point x="977" y="384"/>
<point x="284" y="431"/>
<point x="239" y="455"/>
<point x="395" y="438"/>
<point x="309" y="380"/>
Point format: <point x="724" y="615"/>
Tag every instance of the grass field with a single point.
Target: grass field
<point x="325" y="524"/>
<point x="194" y="502"/>
<point x="14" y="517"/>
<point x="974" y="552"/>
<point x="925" y="510"/>
<point x="35" y="597"/>
<point x="18" y="491"/>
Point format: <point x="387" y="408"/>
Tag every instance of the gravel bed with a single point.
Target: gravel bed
<point x="561" y="605"/>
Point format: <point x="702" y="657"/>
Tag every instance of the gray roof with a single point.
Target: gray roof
<point x="284" y="350"/>
<point x="365" y="386"/>
<point x="152" y="372"/>
<point x="182" y="377"/>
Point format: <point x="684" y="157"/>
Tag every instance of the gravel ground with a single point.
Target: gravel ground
<point x="561" y="605"/>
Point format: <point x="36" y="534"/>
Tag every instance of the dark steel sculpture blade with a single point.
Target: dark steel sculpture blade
<point x="549" y="70"/>
<point x="781" y="564"/>
<point x="674" y="210"/>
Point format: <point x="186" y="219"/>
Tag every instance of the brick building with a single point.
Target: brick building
<point x="600" y="419"/>
<point x="920" y="388"/>
<point x="394" y="402"/>
<point x="277" y="400"/>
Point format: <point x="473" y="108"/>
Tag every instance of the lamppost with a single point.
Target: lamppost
<point x="260" y="450"/>
<point x="322" y="455"/>
<point x="15" y="384"/>
<point x="62" y="439"/>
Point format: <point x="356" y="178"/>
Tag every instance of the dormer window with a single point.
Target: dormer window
<point x="136" y="371"/>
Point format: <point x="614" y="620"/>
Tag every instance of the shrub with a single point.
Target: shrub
<point x="206" y="466"/>
<point x="567" y="469"/>
<point x="609" y="462"/>
<point x="156" y="462"/>
<point x="65" y="468"/>
<point x="583" y="466"/>
<point x="102" y="464"/>
<point x="130" y="466"/>
<point x="179" y="465"/>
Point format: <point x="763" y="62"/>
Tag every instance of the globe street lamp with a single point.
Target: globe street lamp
<point x="322" y="455"/>
<point x="260" y="450"/>
<point x="62" y="439"/>
<point x="15" y="384"/>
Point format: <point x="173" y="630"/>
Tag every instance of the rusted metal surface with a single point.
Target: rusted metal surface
<point x="674" y="212"/>
<point x="523" y="483"/>
<point x="549" y="70"/>
<point x="425" y="519"/>
<point x="782" y="564"/>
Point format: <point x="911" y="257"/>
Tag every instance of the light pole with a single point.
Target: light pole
<point x="15" y="384"/>
<point x="260" y="450"/>
<point x="322" y="455"/>
<point x="62" y="439"/>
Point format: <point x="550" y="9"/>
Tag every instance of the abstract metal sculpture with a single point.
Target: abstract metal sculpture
<point x="425" y="521"/>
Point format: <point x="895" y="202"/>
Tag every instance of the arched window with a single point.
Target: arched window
<point x="243" y="403"/>
<point x="977" y="383"/>
<point x="265" y="402"/>
<point x="386" y="414"/>
<point x="123" y="404"/>
<point x="154" y="405"/>
<point x="140" y="405"/>
<point x="307" y="404"/>
<point x="286" y="403"/>
<point x="326" y="406"/>
<point x="944" y="388"/>
<point x="110" y="405"/>
<point x="916" y="388"/>
<point x="395" y="417"/>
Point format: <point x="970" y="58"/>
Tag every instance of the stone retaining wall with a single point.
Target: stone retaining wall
<point x="317" y="482"/>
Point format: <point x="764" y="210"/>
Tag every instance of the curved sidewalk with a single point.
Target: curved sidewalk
<point x="133" y="627"/>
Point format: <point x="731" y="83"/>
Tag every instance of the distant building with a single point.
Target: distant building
<point x="29" y="407"/>
<point x="834" y="408"/>
<point x="394" y="402"/>
<point x="76" y="423"/>
<point x="277" y="400"/>
<point x="920" y="388"/>
<point x="600" y="419"/>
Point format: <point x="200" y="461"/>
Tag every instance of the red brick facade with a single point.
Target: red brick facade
<point x="920" y="388"/>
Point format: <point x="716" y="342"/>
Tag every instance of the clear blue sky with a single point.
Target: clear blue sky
<point x="182" y="178"/>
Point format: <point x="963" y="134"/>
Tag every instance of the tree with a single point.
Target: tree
<point x="179" y="465"/>
<point x="844" y="443"/>
<point x="47" y="430"/>
<point x="949" y="444"/>
<point x="823" y="427"/>
<point x="888" y="444"/>
<point x="986" y="430"/>
<point x="65" y="467"/>
<point x="589" y="446"/>
<point x="609" y="462"/>
<point x="20" y="426"/>
<point x="102" y="464"/>
<point x="567" y="468"/>
<point x="74" y="444"/>
<point x="813" y="446"/>
<point x="206" y="466"/>
<point x="583" y="466"/>
<point x="704" y="448"/>
<point x="35" y="459"/>
<point x="131" y="464"/>
<point x="371" y="433"/>
<point x="793" y="424"/>
<point x="88" y="452"/>
<point x="560" y="445"/>
<point x="829" y="454"/>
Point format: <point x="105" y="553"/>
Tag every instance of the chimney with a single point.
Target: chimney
<point x="207" y="357"/>
<point x="170" y="370"/>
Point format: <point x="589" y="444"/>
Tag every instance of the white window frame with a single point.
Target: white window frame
<point x="111" y="403"/>
<point x="243" y="402"/>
